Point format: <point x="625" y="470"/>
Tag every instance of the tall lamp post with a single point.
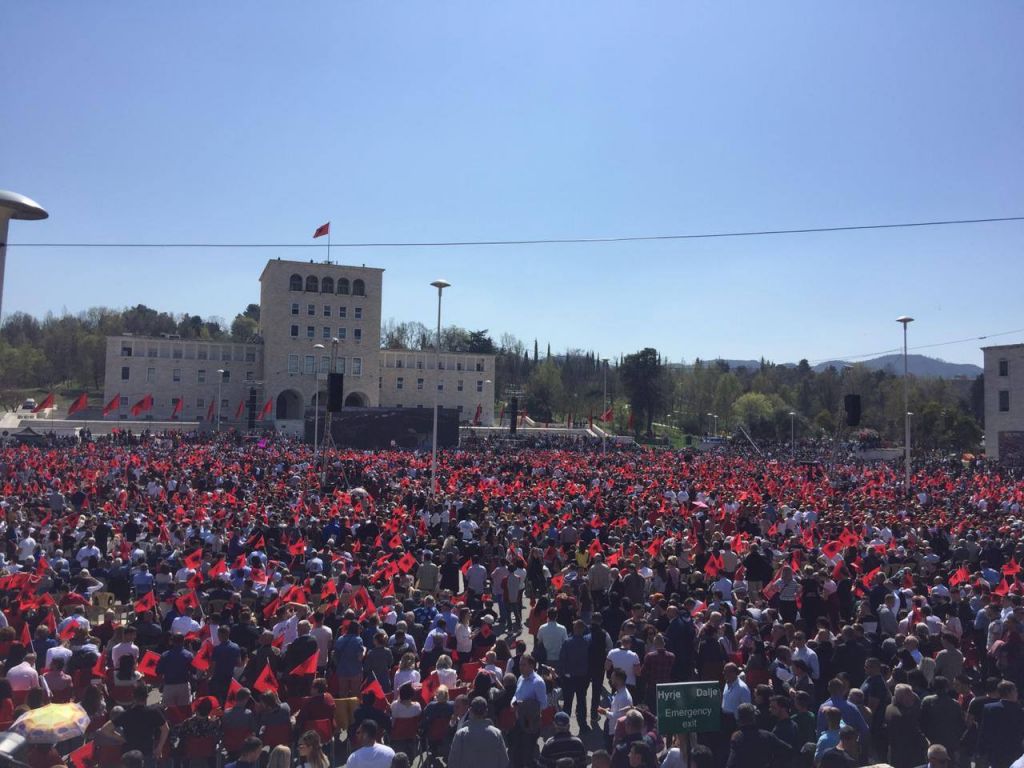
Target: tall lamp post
<point x="715" y="417"/>
<point x="440" y="285"/>
<point x="316" y="405"/>
<point x="792" y="433"/>
<point x="905" y="320"/>
<point x="220" y="380"/>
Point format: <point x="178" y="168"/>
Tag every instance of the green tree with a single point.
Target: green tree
<point x="647" y="387"/>
<point x="544" y="392"/>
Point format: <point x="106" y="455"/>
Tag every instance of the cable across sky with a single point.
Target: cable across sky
<point x="544" y="241"/>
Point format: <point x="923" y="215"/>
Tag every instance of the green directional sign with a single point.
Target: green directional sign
<point x="689" y="707"/>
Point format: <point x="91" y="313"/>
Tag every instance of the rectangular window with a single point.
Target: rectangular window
<point x="226" y="377"/>
<point x="440" y="365"/>
<point x="460" y="409"/>
<point x="1004" y="400"/>
<point x="308" y="364"/>
<point x="458" y="366"/>
<point x="151" y="352"/>
<point x="295" y="331"/>
<point x="440" y="386"/>
<point x="419" y="383"/>
<point x="339" y="365"/>
<point x="357" y="334"/>
<point x="480" y="366"/>
<point x="250" y="375"/>
<point x="342" y="311"/>
<point x="201" y="376"/>
<point x="326" y="332"/>
<point x="150" y="375"/>
<point x="419" y="365"/>
<point x="310" y="332"/>
<point x="295" y="307"/>
<point x="399" y="382"/>
<point x="200" y="402"/>
<point x="325" y="364"/>
<point x="176" y="375"/>
<point x="327" y="310"/>
<point x="201" y="354"/>
<point x="357" y="366"/>
<point x="225" y="354"/>
<point x="479" y="386"/>
<point x="342" y="333"/>
<point x="459" y="387"/>
<point x="176" y="353"/>
<point x="126" y="350"/>
<point x="311" y="309"/>
<point x="125" y="372"/>
<point x="293" y="363"/>
<point x="1004" y="367"/>
<point x="224" y="403"/>
<point x="359" y="313"/>
<point x="250" y="356"/>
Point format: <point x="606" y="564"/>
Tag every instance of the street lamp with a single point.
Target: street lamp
<point x="905" y="320"/>
<point x="220" y="380"/>
<point x="792" y="433"/>
<point x="316" y="405"/>
<point x="715" y="417"/>
<point x="440" y="285"/>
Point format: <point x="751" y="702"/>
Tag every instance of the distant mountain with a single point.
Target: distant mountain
<point x="919" y="365"/>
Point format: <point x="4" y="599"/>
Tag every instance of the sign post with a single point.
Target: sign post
<point x="689" y="707"/>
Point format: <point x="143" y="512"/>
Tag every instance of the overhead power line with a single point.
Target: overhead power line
<point x="539" y="241"/>
<point x="847" y="358"/>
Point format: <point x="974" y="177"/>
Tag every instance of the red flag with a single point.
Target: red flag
<point x="298" y="548"/>
<point x="476" y="416"/>
<point x="99" y="669"/>
<point x="209" y="410"/>
<point x="194" y="559"/>
<point x="429" y="688"/>
<point x="406" y="562"/>
<point x="868" y="577"/>
<point x="323" y="229"/>
<point x="68" y="631"/>
<point x="239" y="409"/>
<point x="308" y="667"/>
<point x="47" y="403"/>
<point x="188" y="600"/>
<point x="218" y="568"/>
<point x="1003" y="589"/>
<point x="233" y="690"/>
<point x="267" y="406"/>
<point x="80" y="404"/>
<point x="379" y="699"/>
<point x="145" y="404"/>
<point x="179" y="403"/>
<point x="595" y="547"/>
<point x="26" y="636"/>
<point x="714" y="564"/>
<point x="204" y="656"/>
<point x="832" y="548"/>
<point x="959" y="576"/>
<point x="266" y="680"/>
<point x="557" y="581"/>
<point x="608" y="415"/>
<point x="465" y="567"/>
<point x="145" y="603"/>
<point x="1011" y="568"/>
<point x="83" y="757"/>
<point x="147" y="664"/>
<point x="113" y="405"/>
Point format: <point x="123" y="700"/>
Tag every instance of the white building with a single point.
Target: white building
<point x="310" y="314"/>
<point x="1004" y="402"/>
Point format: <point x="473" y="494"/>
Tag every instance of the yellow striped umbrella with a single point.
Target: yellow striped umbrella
<point x="52" y="724"/>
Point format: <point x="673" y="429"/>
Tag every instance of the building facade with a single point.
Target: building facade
<point x="1004" y="402"/>
<point x="314" y="318"/>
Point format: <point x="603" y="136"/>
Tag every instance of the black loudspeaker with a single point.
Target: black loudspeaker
<point x="852" y="405"/>
<point x="513" y="409"/>
<point x="335" y="392"/>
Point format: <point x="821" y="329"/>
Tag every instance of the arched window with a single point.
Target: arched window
<point x="343" y="285"/>
<point x="295" y="283"/>
<point x="312" y="284"/>
<point x="327" y="285"/>
<point x="358" y="288"/>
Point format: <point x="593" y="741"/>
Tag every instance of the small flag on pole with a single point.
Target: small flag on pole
<point x="323" y="229"/>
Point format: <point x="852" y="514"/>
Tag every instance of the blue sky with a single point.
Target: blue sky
<point x="428" y="121"/>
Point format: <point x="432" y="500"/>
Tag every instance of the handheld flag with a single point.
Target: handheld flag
<point x="266" y="680"/>
<point x="308" y="667"/>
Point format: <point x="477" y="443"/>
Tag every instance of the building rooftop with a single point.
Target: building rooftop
<point x="1003" y="346"/>
<point x="317" y="264"/>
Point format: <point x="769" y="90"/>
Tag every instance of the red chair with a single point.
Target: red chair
<point x="233" y="738"/>
<point x="277" y="735"/>
<point x="177" y="715"/>
<point x="405" y="735"/>
<point x="199" y="748"/>
<point x="469" y="671"/>
<point x="107" y="754"/>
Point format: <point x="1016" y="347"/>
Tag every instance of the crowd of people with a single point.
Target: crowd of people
<point x="227" y="598"/>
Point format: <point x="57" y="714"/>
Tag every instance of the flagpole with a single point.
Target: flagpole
<point x="328" y="243"/>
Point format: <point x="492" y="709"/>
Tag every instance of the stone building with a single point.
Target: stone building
<point x="1004" y="402"/>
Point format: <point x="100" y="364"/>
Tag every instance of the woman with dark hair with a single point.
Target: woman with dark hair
<point x="482" y="685"/>
<point x="6" y="704"/>
<point x="126" y="675"/>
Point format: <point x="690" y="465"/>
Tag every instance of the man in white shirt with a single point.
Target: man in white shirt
<point x="23" y="677"/>
<point x="805" y="654"/>
<point x="735" y="691"/>
<point x="90" y="550"/>
<point x="126" y="647"/>
<point x="621" y="702"/>
<point x="551" y="635"/>
<point x="625" y="659"/>
<point x="370" y="754"/>
<point x="185" y="624"/>
<point x="324" y="640"/>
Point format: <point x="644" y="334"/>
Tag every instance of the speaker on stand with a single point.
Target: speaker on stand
<point x="851" y="403"/>
<point x="514" y="411"/>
